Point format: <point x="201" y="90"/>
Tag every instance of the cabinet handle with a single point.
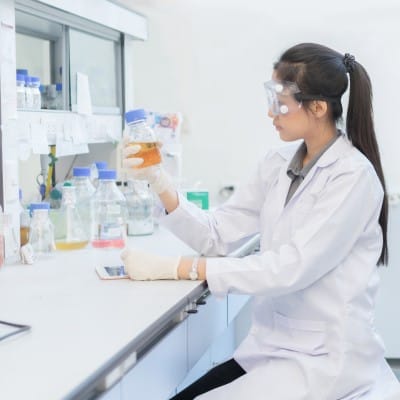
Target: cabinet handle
<point x="200" y="302"/>
<point x="194" y="311"/>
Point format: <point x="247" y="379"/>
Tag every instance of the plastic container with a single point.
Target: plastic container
<point x="36" y="96"/>
<point x="41" y="235"/>
<point x="140" y="204"/>
<point x="71" y="234"/>
<point x="21" y="93"/>
<point x="108" y="208"/>
<point x="28" y="93"/>
<point x="84" y="193"/>
<point x="43" y="96"/>
<point x="51" y="97"/>
<point x="140" y="133"/>
<point x="59" y="104"/>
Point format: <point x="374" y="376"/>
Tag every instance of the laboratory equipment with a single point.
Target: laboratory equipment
<point x="28" y="93"/>
<point x="21" y="102"/>
<point x="108" y="213"/>
<point x="84" y="193"/>
<point x="141" y="134"/>
<point x="41" y="236"/>
<point x="35" y="92"/>
<point x="70" y="235"/>
<point x="59" y="98"/>
<point x="94" y="171"/>
<point x="51" y="97"/>
<point x="140" y="204"/>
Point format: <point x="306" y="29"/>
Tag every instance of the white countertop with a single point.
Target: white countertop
<point x="79" y="322"/>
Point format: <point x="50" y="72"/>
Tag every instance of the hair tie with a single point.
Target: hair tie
<point x="349" y="62"/>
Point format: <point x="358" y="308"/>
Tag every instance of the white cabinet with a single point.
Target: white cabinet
<point x="159" y="372"/>
<point x="113" y="394"/>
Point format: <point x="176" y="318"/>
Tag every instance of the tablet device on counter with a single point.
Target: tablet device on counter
<point x="111" y="272"/>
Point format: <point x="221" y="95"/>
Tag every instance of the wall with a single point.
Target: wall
<point x="209" y="59"/>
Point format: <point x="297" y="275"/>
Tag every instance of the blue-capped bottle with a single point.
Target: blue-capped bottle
<point x="141" y="134"/>
<point x="109" y="213"/>
<point x="41" y="235"/>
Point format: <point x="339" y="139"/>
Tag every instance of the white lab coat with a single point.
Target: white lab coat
<point x="314" y="281"/>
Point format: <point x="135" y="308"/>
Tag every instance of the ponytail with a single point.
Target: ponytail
<point x="360" y="130"/>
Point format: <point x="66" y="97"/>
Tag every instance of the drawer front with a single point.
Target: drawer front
<point x="160" y="371"/>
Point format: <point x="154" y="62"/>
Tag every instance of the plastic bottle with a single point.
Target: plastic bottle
<point x="24" y="222"/>
<point x="36" y="96"/>
<point x="71" y="234"/>
<point x="108" y="207"/>
<point x="84" y="194"/>
<point x="41" y="236"/>
<point x="140" y="203"/>
<point x="141" y="133"/>
<point x="59" y="104"/>
<point x="43" y="96"/>
<point x="28" y="93"/>
<point x="21" y="102"/>
<point x="94" y="171"/>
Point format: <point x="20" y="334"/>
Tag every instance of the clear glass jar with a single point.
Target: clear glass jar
<point x="140" y="204"/>
<point x="21" y="101"/>
<point x="41" y="236"/>
<point x="84" y="192"/>
<point x="71" y="234"/>
<point x="140" y="133"/>
<point x="108" y="208"/>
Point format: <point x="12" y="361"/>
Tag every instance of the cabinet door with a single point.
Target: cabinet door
<point x="160" y="371"/>
<point x="205" y="326"/>
<point x="235" y="303"/>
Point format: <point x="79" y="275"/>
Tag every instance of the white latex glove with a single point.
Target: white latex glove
<point x="141" y="266"/>
<point x="158" y="179"/>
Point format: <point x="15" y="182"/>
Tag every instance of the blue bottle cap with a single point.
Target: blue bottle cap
<point x="107" y="174"/>
<point x="20" y="78"/>
<point x="59" y="87"/>
<point x="22" y="71"/>
<point x="27" y="79"/>
<point x="81" y="171"/>
<point x="35" y="79"/>
<point x="101" y="165"/>
<point x="135" y="115"/>
<point x="39" y="206"/>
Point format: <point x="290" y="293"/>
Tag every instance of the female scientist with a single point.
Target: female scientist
<point x="321" y="210"/>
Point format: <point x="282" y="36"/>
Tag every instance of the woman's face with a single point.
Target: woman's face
<point x="295" y="123"/>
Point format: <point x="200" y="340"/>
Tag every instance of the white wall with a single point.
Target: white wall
<point x="209" y="58"/>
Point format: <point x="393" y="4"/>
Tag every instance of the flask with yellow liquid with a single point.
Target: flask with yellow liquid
<point x="71" y="234"/>
<point x="141" y="134"/>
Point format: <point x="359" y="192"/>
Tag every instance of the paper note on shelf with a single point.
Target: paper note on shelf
<point x="83" y="99"/>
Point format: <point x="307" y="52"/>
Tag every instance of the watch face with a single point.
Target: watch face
<point x="193" y="275"/>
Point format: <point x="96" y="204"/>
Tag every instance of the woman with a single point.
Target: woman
<point x="321" y="210"/>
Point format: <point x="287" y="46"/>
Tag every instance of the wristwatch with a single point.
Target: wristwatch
<point x="193" y="274"/>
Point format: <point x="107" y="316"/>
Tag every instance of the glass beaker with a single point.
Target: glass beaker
<point x="71" y="234"/>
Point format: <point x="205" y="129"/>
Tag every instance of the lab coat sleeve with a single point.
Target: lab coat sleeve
<point x="221" y="231"/>
<point x="339" y="218"/>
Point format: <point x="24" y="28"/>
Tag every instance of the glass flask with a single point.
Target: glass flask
<point x="140" y="133"/>
<point x="140" y="203"/>
<point x="41" y="236"/>
<point x="108" y="208"/>
<point x="71" y="234"/>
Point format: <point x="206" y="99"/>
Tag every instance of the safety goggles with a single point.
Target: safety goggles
<point x="280" y="96"/>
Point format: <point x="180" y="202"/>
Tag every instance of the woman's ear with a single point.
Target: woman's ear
<point x="319" y="108"/>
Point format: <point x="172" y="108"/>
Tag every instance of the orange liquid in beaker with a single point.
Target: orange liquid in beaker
<point x="71" y="245"/>
<point x="149" y="152"/>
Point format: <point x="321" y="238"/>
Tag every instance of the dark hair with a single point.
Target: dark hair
<point x="321" y="74"/>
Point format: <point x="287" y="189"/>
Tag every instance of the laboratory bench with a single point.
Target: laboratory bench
<point x="110" y="339"/>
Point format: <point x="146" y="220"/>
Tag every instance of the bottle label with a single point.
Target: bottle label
<point x="110" y="231"/>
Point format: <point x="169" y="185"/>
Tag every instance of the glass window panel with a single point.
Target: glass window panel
<point x="95" y="57"/>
